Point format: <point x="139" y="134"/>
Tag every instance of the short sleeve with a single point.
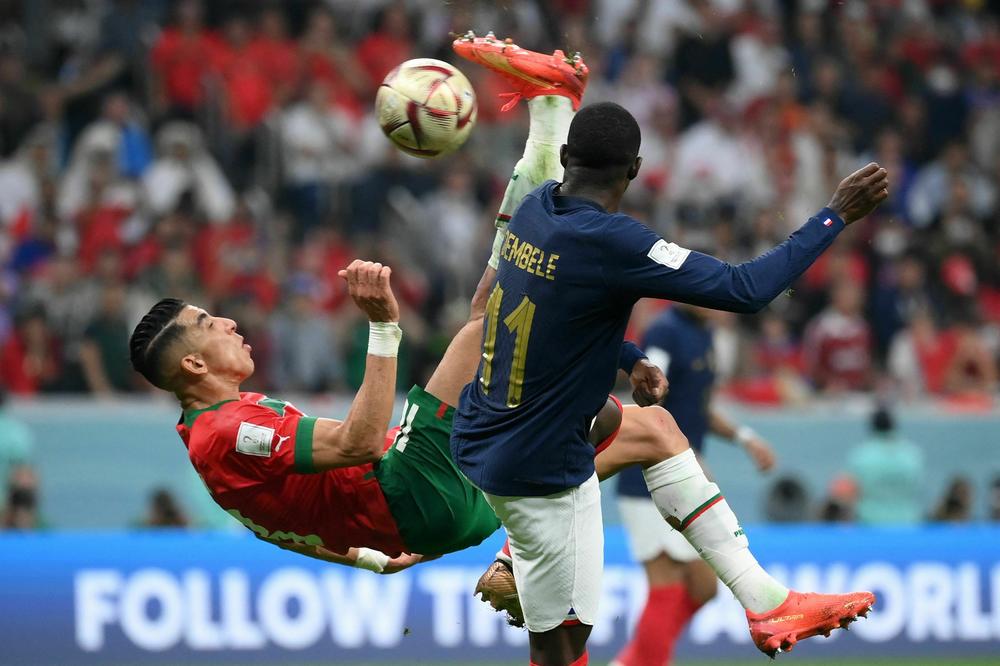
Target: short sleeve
<point x="263" y="443"/>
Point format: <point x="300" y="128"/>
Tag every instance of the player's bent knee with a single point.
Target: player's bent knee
<point x="665" y="437"/>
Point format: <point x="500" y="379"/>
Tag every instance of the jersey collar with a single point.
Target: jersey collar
<point x="188" y="416"/>
<point x="565" y="201"/>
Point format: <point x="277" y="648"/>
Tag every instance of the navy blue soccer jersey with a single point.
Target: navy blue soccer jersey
<point x="569" y="275"/>
<point x="681" y="345"/>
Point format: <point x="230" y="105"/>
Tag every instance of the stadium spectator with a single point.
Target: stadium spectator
<point x="320" y="143"/>
<point x="956" y="504"/>
<point x="839" y="504"/>
<point x="326" y="57"/>
<point x="105" y="367"/>
<point x="274" y="51"/>
<point x="787" y="501"/>
<point x="20" y="511"/>
<point x="182" y="166"/>
<point x="16" y="443"/>
<point x="993" y="509"/>
<point x="389" y="44"/>
<point x="30" y="360"/>
<point x="889" y="473"/>
<point x="838" y="343"/>
<point x="305" y="342"/>
<point x="180" y="60"/>
<point x="164" y="511"/>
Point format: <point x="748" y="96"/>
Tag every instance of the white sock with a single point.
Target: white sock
<point x="681" y="491"/>
<point x="550" y="116"/>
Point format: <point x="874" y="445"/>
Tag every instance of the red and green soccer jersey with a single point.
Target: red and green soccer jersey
<point x="255" y="456"/>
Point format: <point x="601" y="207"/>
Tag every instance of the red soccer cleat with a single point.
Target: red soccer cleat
<point x="532" y="74"/>
<point x="803" y="615"/>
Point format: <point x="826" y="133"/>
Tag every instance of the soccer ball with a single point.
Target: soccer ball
<point x="426" y="107"/>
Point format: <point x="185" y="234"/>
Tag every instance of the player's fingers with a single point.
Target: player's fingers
<point x="875" y="176"/>
<point x="342" y="273"/>
<point x="867" y="170"/>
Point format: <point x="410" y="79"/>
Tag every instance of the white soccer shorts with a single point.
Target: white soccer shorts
<point x="557" y="545"/>
<point x="649" y="535"/>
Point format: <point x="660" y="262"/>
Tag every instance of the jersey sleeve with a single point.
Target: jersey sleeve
<point x="629" y="355"/>
<point x="264" y="444"/>
<point x="641" y="264"/>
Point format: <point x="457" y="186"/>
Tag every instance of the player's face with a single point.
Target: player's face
<point x="218" y="344"/>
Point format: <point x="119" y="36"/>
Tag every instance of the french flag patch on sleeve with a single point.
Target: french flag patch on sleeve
<point x="828" y="222"/>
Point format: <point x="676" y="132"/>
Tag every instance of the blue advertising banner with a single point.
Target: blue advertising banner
<point x="177" y="597"/>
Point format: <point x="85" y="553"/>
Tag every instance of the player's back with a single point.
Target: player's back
<point x="552" y="336"/>
<point x="255" y="457"/>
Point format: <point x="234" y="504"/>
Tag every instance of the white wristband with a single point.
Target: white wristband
<point x="383" y="338"/>
<point x="372" y="560"/>
<point x="744" y="435"/>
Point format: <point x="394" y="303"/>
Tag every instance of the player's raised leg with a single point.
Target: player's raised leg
<point x="695" y="507"/>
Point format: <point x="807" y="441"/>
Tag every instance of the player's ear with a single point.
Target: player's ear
<point x="193" y="364"/>
<point x="563" y="155"/>
<point x="633" y="170"/>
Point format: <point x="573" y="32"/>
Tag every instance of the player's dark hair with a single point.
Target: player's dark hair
<point x="603" y="136"/>
<point x="157" y="331"/>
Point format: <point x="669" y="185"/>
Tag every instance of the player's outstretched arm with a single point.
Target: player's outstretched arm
<point x="652" y="267"/>
<point x="360" y="437"/>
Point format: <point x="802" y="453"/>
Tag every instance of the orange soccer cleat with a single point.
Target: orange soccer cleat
<point x="532" y="74"/>
<point x="803" y="615"/>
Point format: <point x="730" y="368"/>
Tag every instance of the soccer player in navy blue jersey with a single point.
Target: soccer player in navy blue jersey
<point x="570" y="268"/>
<point x="679" y="342"/>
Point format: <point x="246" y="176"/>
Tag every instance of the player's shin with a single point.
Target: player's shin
<point x="692" y="504"/>
<point x="550" y="117"/>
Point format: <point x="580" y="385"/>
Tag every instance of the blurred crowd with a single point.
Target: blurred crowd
<point x="226" y="153"/>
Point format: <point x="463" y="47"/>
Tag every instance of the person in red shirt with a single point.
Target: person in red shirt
<point x="387" y="46"/>
<point x="273" y="51"/>
<point x="180" y="59"/>
<point x="838" y="343"/>
<point x="29" y="359"/>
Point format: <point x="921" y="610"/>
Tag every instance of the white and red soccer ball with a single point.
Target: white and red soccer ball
<point x="426" y="107"/>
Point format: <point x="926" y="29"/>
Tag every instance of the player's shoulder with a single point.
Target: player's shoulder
<point x="222" y="422"/>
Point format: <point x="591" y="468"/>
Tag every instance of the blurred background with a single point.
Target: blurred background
<point x="226" y="153"/>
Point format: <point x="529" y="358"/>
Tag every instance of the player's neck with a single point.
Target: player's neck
<point x="207" y="392"/>
<point x="609" y="200"/>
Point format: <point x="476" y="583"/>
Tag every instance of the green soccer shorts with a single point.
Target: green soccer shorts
<point x="437" y="510"/>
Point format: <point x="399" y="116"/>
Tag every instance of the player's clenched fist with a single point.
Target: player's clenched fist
<point x="368" y="284"/>
<point x="859" y="194"/>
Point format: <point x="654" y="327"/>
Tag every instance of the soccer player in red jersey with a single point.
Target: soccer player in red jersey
<point x="312" y="484"/>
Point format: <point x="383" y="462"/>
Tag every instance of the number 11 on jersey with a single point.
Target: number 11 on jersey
<point x="518" y="322"/>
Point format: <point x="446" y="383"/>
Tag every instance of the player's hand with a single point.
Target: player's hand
<point x="859" y="194"/>
<point x="649" y="385"/>
<point x="403" y="561"/>
<point x="760" y="453"/>
<point x="368" y="284"/>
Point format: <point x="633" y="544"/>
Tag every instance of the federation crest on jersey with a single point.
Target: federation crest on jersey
<point x="254" y="440"/>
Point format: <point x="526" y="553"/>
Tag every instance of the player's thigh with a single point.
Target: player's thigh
<point x="557" y="547"/>
<point x="649" y="435"/>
